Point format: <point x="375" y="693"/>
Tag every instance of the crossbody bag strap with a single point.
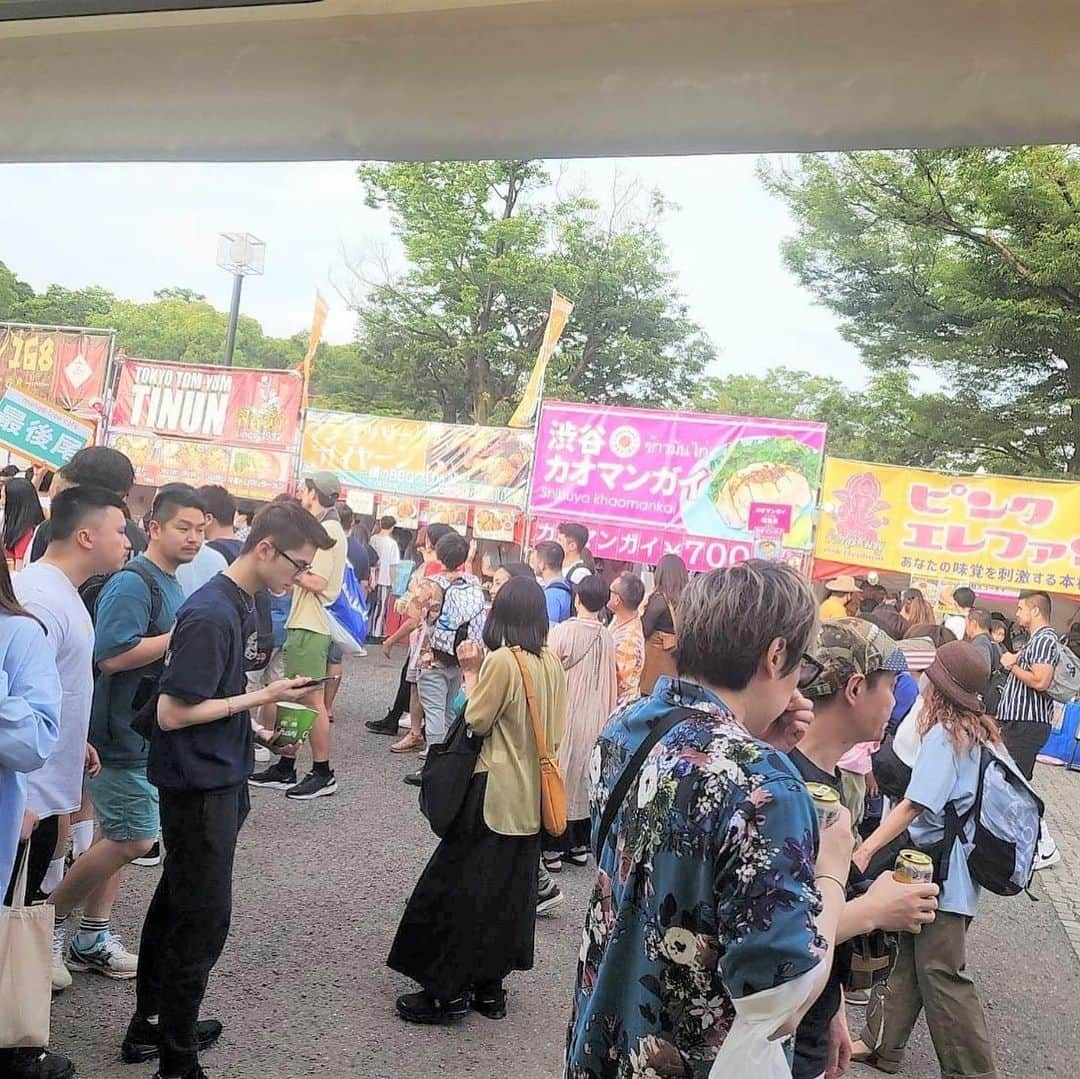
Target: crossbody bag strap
<point x="534" y="711"/>
<point x="585" y="655"/>
<point x="18" y="896"/>
<point x="633" y="767"/>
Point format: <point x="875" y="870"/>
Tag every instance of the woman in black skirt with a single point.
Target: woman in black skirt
<point x="472" y="916"/>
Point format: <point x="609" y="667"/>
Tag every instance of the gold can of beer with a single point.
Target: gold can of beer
<point x="914" y="867"/>
<point x="826" y="803"/>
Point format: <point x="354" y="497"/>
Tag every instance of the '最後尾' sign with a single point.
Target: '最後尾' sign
<point x="39" y="431"/>
<point x="982" y="530"/>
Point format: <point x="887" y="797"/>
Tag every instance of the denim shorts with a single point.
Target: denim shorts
<point x="126" y="803"/>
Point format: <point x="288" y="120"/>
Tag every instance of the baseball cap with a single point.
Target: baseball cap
<point x="325" y="482"/>
<point x="849" y="646"/>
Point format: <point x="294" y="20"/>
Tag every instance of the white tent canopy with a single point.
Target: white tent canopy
<point x="402" y="79"/>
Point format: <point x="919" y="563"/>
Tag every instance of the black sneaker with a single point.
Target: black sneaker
<point x="552" y="862"/>
<point x="191" y="1073"/>
<point x="313" y="785"/>
<point x="387" y="725"/>
<point x="490" y="1001"/>
<point x="548" y="899"/>
<point x="151" y="858"/>
<point x="414" y="779"/>
<point x="422" y="1007"/>
<point x="279" y="776"/>
<point x="579" y="856"/>
<point x="34" y="1064"/>
<point x="143" y="1039"/>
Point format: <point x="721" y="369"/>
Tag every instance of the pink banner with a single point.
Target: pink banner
<point x="647" y="482"/>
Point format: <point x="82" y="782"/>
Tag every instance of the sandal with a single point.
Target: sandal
<point x="869" y="1056"/>
<point x="411" y="743"/>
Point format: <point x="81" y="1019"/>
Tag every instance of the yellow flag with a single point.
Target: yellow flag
<point x="318" y="321"/>
<point x="527" y="412"/>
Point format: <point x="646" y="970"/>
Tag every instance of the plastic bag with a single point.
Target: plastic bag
<point x="348" y="616"/>
<point x="747" y="1050"/>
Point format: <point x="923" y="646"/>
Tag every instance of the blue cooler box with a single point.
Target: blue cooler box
<point x="1062" y="746"/>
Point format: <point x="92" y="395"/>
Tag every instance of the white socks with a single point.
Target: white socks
<point x="1047" y="846"/>
<point x="82" y="835"/>
<point x="53" y="876"/>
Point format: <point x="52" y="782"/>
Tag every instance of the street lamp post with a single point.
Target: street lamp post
<point x="243" y="255"/>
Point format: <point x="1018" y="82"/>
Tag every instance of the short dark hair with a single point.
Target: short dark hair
<point x="452" y="551"/>
<point x="387" y="523"/>
<point x="516" y="569"/>
<point x="325" y="500"/>
<point x="174" y="497"/>
<point x="631" y="589"/>
<point x="550" y="554"/>
<point x="518" y="617"/>
<point x="436" y="531"/>
<point x="963" y="597"/>
<point x="345" y="516"/>
<point x="219" y="503"/>
<point x="72" y="506"/>
<point x="593" y="592"/>
<point x="100" y="466"/>
<point x="9" y="471"/>
<point x="577" y="534"/>
<point x="1039" y="600"/>
<point x="980" y="617"/>
<point x="728" y="618"/>
<point x="888" y="619"/>
<point x="287" y="525"/>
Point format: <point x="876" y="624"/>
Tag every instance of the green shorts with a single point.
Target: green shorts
<point x="305" y="654"/>
<point x="126" y="803"/>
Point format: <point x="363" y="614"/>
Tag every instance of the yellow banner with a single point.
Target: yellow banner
<point x="528" y="410"/>
<point x="318" y="321"/>
<point x="981" y="530"/>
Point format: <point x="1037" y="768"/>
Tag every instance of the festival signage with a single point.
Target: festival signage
<point x="450" y="462"/>
<point x="235" y="405"/>
<point x="648" y="482"/>
<point x="39" y="431"/>
<point x="65" y="366"/>
<point x="985" y="531"/>
<point x="454" y="514"/>
<point x="404" y="510"/>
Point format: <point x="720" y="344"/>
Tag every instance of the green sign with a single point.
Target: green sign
<point x="39" y="431"/>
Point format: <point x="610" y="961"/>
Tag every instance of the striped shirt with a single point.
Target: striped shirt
<point x="1020" y="703"/>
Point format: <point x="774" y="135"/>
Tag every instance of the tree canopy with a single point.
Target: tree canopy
<point x="967" y="262"/>
<point x="455" y="333"/>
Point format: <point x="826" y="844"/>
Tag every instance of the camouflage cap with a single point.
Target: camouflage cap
<point x="849" y="646"/>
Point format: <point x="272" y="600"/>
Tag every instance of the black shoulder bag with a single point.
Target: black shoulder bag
<point x="633" y="767"/>
<point x="447" y="772"/>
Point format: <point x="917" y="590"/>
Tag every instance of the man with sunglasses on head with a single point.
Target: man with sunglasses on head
<point x="200" y="759"/>
<point x="308" y="647"/>
<point x="714" y="886"/>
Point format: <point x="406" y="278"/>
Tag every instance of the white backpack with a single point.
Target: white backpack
<point x="461" y="616"/>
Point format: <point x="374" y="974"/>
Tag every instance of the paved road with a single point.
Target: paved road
<point x="320" y="886"/>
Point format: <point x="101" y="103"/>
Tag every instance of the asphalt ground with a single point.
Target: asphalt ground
<point x="303" y="989"/>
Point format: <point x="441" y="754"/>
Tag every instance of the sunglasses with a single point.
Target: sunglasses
<point x="809" y="670"/>
<point x="300" y="567"/>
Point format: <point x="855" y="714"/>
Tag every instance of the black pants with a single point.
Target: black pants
<point x="1024" y="740"/>
<point x="400" y="706"/>
<point x="188" y="919"/>
<point x="42" y="844"/>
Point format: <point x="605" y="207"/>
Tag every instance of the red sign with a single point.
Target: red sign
<point x="239" y="406"/>
<point x="59" y="365"/>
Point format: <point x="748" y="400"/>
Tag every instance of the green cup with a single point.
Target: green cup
<point x="294" y="722"/>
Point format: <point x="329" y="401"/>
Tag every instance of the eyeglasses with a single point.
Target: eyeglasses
<point x="300" y="567"/>
<point x="809" y="671"/>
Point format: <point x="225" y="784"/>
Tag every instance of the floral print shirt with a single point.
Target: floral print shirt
<point x="629" y="658"/>
<point x="705" y="890"/>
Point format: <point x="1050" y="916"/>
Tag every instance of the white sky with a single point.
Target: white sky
<point x="136" y="228"/>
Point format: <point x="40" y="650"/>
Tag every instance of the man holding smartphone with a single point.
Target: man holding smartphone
<point x="200" y="759"/>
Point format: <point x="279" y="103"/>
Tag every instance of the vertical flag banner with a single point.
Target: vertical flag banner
<point x="526" y="413"/>
<point x="318" y="321"/>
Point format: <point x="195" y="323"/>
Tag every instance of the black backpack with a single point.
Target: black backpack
<point x="90" y="591"/>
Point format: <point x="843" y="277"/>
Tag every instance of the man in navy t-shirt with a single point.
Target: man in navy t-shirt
<point x="200" y="759"/>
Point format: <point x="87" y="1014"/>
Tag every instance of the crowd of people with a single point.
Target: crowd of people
<point x="144" y="664"/>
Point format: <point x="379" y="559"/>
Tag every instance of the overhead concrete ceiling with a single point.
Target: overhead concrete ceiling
<point x="408" y="79"/>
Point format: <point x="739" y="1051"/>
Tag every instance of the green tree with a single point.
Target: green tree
<point x="13" y="294"/>
<point x="60" y="306"/>
<point x="968" y="262"/>
<point x="455" y="334"/>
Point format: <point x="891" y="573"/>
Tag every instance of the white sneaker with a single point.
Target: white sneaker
<point x="109" y="957"/>
<point x="1045" y="861"/>
<point x="263" y="755"/>
<point x="61" y="976"/>
<point x="362" y="653"/>
<point x="404" y="724"/>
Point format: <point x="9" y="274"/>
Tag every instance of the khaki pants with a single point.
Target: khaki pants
<point x="930" y="974"/>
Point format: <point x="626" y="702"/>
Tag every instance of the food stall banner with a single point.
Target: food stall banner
<point x="648" y="482"/>
<point x="981" y="530"/>
<point x="235" y="405"/>
<point x="64" y="366"/>
<point x="450" y="462"/>
<point x="39" y="431"/>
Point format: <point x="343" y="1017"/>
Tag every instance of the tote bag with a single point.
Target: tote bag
<point x="348" y="616"/>
<point x="446" y="775"/>
<point x="25" y="956"/>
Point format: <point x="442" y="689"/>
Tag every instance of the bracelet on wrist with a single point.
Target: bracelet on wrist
<point x="835" y="880"/>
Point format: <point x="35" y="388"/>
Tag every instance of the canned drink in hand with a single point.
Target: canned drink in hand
<point x="914" y="867"/>
<point x="826" y="803"/>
